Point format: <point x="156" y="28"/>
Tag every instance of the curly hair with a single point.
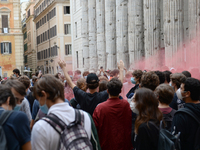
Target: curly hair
<point x="137" y="74"/>
<point x="150" y="80"/>
<point x="177" y="79"/>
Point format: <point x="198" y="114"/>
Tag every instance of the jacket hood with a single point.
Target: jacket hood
<point x="194" y="107"/>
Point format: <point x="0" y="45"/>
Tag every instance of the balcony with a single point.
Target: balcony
<point x="4" y="30"/>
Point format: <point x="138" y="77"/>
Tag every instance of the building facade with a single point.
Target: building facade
<point x="107" y="31"/>
<point x="11" y="37"/>
<point x="30" y="60"/>
<point x="53" y="34"/>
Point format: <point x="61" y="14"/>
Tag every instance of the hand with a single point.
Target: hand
<point x="61" y="63"/>
<point x="120" y="65"/>
<point x="125" y="69"/>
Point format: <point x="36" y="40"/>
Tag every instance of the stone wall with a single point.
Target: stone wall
<point x="129" y="30"/>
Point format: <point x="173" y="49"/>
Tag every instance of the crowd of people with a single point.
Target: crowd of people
<point x="108" y="110"/>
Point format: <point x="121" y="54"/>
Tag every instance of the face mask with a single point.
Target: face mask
<point x="85" y="77"/>
<point x="17" y="107"/>
<point x="133" y="105"/>
<point x="133" y="80"/>
<point x="14" y="75"/>
<point x="44" y="108"/>
<point x="65" y="81"/>
<point x="79" y="76"/>
<point x="179" y="95"/>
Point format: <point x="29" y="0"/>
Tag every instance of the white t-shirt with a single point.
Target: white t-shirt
<point x="44" y="137"/>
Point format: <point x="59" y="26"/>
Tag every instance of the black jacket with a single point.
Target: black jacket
<point x="187" y="126"/>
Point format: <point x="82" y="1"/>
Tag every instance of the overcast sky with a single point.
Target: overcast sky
<point x="23" y="0"/>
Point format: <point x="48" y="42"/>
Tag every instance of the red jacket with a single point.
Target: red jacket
<point x="113" y="122"/>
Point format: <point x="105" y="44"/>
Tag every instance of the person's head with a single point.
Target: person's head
<point x="103" y="86"/>
<point x="161" y="76"/>
<point x="85" y="74"/>
<point x="18" y="89"/>
<point x="165" y="93"/>
<point x="7" y="99"/>
<point x="128" y="77"/>
<point x="176" y="79"/>
<point x="25" y="80"/>
<point x="137" y="75"/>
<point x="102" y="78"/>
<point x="114" y="87"/>
<point x="34" y="79"/>
<point x="77" y="72"/>
<point x="81" y="84"/>
<point x="92" y="81"/>
<point x="115" y="73"/>
<point x="48" y="90"/>
<point x="167" y="76"/>
<point x="190" y="90"/>
<point x="150" y="80"/>
<point x="147" y="105"/>
<point x="16" y="72"/>
<point x="186" y="73"/>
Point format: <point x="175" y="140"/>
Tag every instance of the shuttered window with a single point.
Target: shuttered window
<point x="68" y="49"/>
<point x="66" y="9"/>
<point x="6" y="48"/>
<point x="67" y="28"/>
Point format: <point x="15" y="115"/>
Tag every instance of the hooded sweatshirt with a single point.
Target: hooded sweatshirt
<point x="185" y="124"/>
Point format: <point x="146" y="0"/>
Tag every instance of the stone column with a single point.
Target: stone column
<point x="110" y="30"/>
<point x="92" y="35"/>
<point x="151" y="27"/>
<point x="173" y="31"/>
<point x="135" y="31"/>
<point x="101" y="46"/>
<point x="84" y="34"/>
<point x="193" y="56"/>
<point x="122" y="31"/>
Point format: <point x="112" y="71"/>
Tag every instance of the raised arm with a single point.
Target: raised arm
<point x="121" y="70"/>
<point x="62" y="65"/>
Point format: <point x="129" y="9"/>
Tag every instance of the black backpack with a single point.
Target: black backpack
<point x="168" y="118"/>
<point x="4" y="116"/>
<point x="196" y="118"/>
<point x="72" y="136"/>
<point x="167" y="141"/>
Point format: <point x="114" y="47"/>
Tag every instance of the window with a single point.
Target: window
<point x="25" y="59"/>
<point x="25" y="47"/>
<point x="67" y="28"/>
<point x="28" y="13"/>
<point x="76" y="29"/>
<point x="6" y="48"/>
<point x="25" y="35"/>
<point x="66" y="9"/>
<point x="77" y="59"/>
<point x="4" y="23"/>
<point x="68" y="49"/>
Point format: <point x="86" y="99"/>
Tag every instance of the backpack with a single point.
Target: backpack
<point x="4" y="116"/>
<point x="168" y="118"/>
<point x="72" y="136"/>
<point x="196" y="118"/>
<point x="167" y="141"/>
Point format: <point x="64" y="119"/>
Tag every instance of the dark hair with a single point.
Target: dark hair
<point x="192" y="85"/>
<point x="78" y="72"/>
<point x="137" y="74"/>
<point x="165" y="93"/>
<point x="186" y="73"/>
<point x="103" y="86"/>
<point x="17" y="85"/>
<point x="150" y="80"/>
<point x="5" y="92"/>
<point x="36" y="74"/>
<point x="16" y="71"/>
<point x="50" y="85"/>
<point x="25" y="80"/>
<point x="177" y="78"/>
<point x="161" y="76"/>
<point x="94" y="85"/>
<point x="147" y="105"/>
<point x="167" y="75"/>
<point x="85" y="73"/>
<point x="114" y="87"/>
<point x="115" y="72"/>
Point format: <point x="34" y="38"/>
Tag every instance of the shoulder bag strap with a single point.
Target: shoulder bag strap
<point x="190" y="113"/>
<point x="4" y="116"/>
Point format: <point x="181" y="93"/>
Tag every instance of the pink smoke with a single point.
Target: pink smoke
<point x="187" y="58"/>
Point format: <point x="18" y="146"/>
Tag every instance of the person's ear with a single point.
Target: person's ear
<point x="8" y="101"/>
<point x="187" y="94"/>
<point x="108" y="91"/>
<point x="43" y="94"/>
